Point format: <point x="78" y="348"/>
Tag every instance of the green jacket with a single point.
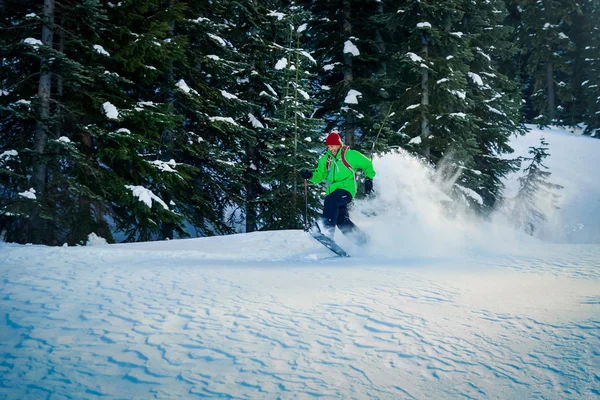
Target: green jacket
<point x="338" y="176"/>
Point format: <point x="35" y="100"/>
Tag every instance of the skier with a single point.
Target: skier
<point x="338" y="166"/>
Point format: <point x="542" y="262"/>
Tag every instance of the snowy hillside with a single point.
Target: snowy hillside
<point x="436" y="306"/>
<point x="274" y="315"/>
<point x="574" y="162"/>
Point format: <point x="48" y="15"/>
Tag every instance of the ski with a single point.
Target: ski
<point x="329" y="243"/>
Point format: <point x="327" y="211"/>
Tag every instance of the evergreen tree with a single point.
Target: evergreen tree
<point x="26" y="74"/>
<point x="458" y="111"/>
<point x="283" y="136"/>
<point x="534" y="189"/>
<point x="544" y="37"/>
<point x="591" y="62"/>
<point x="348" y="52"/>
<point x="102" y="136"/>
<point x="494" y="101"/>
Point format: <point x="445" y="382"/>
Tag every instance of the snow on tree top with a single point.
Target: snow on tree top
<point x="64" y="139"/>
<point x="33" y="42"/>
<point x="183" y="86"/>
<point x="110" y="110"/>
<point x="415" y="140"/>
<point x="413" y="106"/>
<point x="100" y="50"/>
<point x="476" y="79"/>
<point x="423" y="25"/>
<point x="352" y="97"/>
<point x="217" y="39"/>
<point x="307" y="55"/>
<point x="303" y="93"/>
<point x="146" y="196"/>
<point x="198" y="20"/>
<point x="271" y="89"/>
<point x="496" y="111"/>
<point x="414" y="57"/>
<point x="457" y="34"/>
<point x="484" y="54"/>
<point x="349" y="47"/>
<point x="302" y="28"/>
<point x="228" y="95"/>
<point x="255" y="122"/>
<point x="29" y="194"/>
<point x="164" y="166"/>
<point x="459" y="93"/>
<point x="281" y="64"/>
<point x="223" y="119"/>
<point x="276" y="14"/>
<point x="8" y="154"/>
<point x="213" y="57"/>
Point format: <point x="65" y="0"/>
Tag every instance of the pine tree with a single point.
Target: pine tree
<point x="534" y="188"/>
<point x="550" y="56"/>
<point x="494" y="101"/>
<point x="26" y="68"/>
<point x="591" y="62"/>
<point x="102" y="136"/>
<point x="458" y="111"/>
<point x="283" y="136"/>
<point x="210" y="139"/>
<point x="348" y="52"/>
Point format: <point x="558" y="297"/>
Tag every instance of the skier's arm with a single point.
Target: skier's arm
<point x="321" y="172"/>
<point x="359" y="161"/>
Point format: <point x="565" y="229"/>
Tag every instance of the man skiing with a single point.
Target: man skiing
<point x="338" y="166"/>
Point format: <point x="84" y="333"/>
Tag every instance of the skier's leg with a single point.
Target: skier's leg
<point x="333" y="201"/>
<point x="348" y="227"/>
<point x="330" y="214"/>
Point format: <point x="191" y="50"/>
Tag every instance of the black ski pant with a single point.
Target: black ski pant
<point x="335" y="212"/>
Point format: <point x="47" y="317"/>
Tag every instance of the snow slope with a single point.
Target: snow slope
<point x="574" y="162"/>
<point x="438" y="306"/>
<point x="273" y="315"/>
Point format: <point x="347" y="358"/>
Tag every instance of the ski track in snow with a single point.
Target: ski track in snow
<point x="102" y="322"/>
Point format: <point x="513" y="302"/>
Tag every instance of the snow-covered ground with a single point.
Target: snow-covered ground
<point x="574" y="162"/>
<point x="437" y="307"/>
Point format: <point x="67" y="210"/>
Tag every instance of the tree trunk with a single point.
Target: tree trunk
<point x="380" y="43"/>
<point x="349" y="119"/>
<point x="551" y="95"/>
<point x="59" y="82"/>
<point x="39" y="173"/>
<point x="252" y="183"/>
<point x="166" y="151"/>
<point x="251" y="190"/>
<point x="425" y="100"/>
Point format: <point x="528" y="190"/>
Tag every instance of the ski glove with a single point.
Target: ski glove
<point x="306" y="174"/>
<point x="368" y="186"/>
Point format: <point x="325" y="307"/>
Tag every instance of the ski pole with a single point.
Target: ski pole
<point x="389" y="114"/>
<point x="306" y="205"/>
